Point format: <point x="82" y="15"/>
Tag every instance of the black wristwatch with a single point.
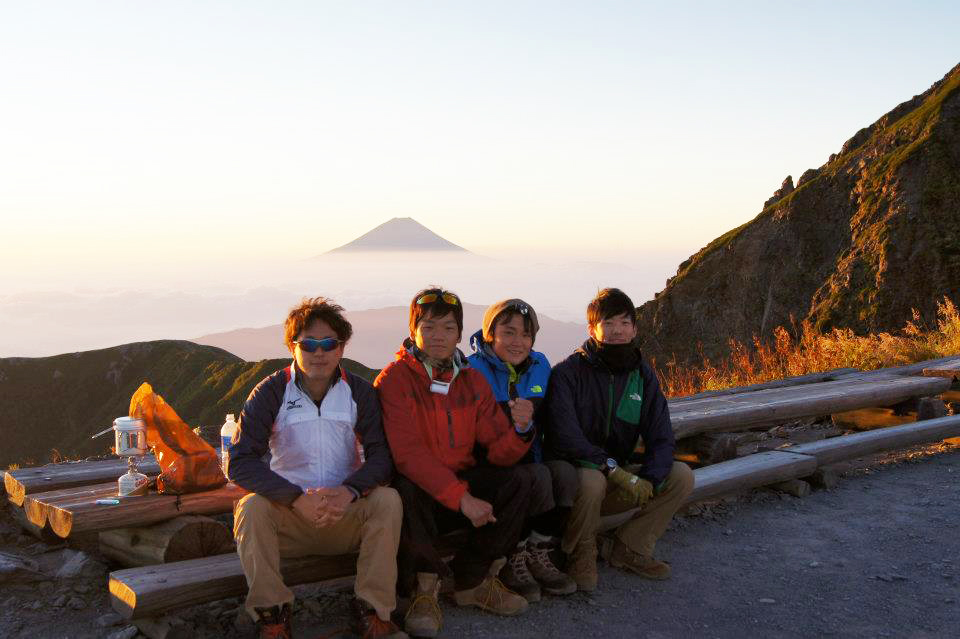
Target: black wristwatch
<point x="609" y="466"/>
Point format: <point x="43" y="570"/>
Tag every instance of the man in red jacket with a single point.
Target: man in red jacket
<point x="455" y="451"/>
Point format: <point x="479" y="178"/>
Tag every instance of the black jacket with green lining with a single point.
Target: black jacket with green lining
<point x="595" y="414"/>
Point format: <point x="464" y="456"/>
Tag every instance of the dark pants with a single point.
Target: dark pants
<point x="554" y="485"/>
<point x="508" y="490"/>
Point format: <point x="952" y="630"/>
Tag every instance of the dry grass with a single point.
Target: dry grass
<point x="804" y="350"/>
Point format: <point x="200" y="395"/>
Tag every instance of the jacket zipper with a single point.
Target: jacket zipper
<point x="453" y="443"/>
<point x="609" y="408"/>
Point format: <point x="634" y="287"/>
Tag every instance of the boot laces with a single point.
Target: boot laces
<point x="429" y="604"/>
<point x="541" y="557"/>
<point x="494" y="591"/>
<point x="518" y="565"/>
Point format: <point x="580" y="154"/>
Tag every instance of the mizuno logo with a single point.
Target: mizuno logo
<point x="293" y="403"/>
<point x="536" y="389"/>
<point x="635" y="397"/>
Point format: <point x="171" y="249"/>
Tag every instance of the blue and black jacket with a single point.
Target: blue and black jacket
<point x="528" y="381"/>
<point x="596" y="413"/>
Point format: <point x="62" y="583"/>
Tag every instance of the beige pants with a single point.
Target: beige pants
<point x="640" y="533"/>
<point x="266" y="531"/>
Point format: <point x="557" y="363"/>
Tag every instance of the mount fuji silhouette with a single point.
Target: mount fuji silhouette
<point x="399" y="234"/>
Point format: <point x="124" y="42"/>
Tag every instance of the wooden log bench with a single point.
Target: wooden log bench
<point x="76" y="510"/>
<point x="41" y="479"/>
<point x="154" y="590"/>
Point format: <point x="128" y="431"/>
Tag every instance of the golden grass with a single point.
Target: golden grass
<point x="805" y="350"/>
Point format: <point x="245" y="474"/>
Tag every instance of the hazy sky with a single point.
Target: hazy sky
<point x="153" y="139"/>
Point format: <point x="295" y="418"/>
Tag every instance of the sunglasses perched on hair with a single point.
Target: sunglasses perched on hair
<point x="430" y="298"/>
<point x="310" y="344"/>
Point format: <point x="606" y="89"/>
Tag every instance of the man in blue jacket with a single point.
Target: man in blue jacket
<point x="602" y="401"/>
<point x="503" y="352"/>
<point x="322" y="489"/>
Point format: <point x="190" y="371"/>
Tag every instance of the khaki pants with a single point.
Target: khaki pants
<point x="641" y="532"/>
<point x="266" y="531"/>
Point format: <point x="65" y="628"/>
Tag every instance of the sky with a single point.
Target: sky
<point x="190" y="146"/>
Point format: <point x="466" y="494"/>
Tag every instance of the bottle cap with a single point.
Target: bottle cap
<point x="230" y="417"/>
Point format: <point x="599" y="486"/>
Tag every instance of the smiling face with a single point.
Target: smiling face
<point x="512" y="340"/>
<point x="437" y="337"/>
<point x="319" y="365"/>
<point x="618" y="329"/>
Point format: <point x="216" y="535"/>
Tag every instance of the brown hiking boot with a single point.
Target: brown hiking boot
<point x="582" y="565"/>
<point x="274" y="622"/>
<point x="424" y="618"/>
<point x="516" y="576"/>
<point x="491" y="595"/>
<point x="368" y="625"/>
<point x="647" y="567"/>
<point x="552" y="581"/>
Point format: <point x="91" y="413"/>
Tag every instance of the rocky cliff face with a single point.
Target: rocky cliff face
<point x="858" y="243"/>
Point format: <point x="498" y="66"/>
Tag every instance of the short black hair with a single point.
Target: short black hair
<point x="436" y="308"/>
<point x="608" y="303"/>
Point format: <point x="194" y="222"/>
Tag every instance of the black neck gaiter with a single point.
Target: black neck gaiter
<point x="618" y="357"/>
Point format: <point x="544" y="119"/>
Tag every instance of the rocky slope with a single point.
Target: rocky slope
<point x="857" y="243"/>
<point x="57" y="403"/>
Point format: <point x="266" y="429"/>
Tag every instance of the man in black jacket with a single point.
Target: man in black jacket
<point x="323" y="489"/>
<point x="602" y="400"/>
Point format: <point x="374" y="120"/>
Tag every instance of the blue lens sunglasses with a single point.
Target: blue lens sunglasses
<point x="310" y="344"/>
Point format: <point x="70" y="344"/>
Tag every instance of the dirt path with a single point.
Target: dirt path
<point x="878" y="556"/>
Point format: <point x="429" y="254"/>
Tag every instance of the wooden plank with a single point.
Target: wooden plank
<point x="749" y="472"/>
<point x="152" y="590"/>
<point x="810" y="378"/>
<point x="738" y="411"/>
<point x="36" y="506"/>
<point x="68" y="513"/>
<point x="837" y="449"/>
<point x="25" y="481"/>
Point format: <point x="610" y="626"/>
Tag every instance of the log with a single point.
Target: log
<point x="931" y="408"/>
<point x="809" y="378"/>
<point x="709" y="448"/>
<point x="25" y="481"/>
<point x="43" y="533"/>
<point x="837" y="449"/>
<point x="749" y="472"/>
<point x="153" y="590"/>
<point x="68" y="514"/>
<point x="777" y="405"/>
<point x="795" y="487"/>
<point x="186" y="537"/>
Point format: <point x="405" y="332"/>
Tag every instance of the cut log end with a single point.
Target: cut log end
<point x="186" y="537"/>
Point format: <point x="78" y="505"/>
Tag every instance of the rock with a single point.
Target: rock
<point x="814" y="564"/>
<point x="109" y="619"/>
<point x="76" y="603"/>
<point x="75" y="564"/>
<point x="17" y="568"/>
<point x="786" y="188"/>
<point x="81" y="588"/>
<point x="807" y="175"/>
<point x="59" y="601"/>
<point x="767" y="600"/>
<point x="36" y="605"/>
<point x="125" y="633"/>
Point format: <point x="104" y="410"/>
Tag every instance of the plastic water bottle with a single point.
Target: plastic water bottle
<point x="226" y="436"/>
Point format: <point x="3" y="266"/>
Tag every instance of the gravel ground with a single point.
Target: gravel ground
<point x="878" y="556"/>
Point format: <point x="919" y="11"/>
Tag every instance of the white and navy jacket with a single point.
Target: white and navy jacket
<point x="339" y="442"/>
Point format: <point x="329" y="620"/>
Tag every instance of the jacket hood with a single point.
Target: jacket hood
<point x="484" y="351"/>
<point x="409" y="354"/>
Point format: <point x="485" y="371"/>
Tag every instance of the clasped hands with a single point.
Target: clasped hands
<point x="323" y="506"/>
<point x="521" y="412"/>
<point x="639" y="490"/>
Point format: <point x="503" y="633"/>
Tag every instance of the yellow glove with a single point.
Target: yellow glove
<point x="639" y="490"/>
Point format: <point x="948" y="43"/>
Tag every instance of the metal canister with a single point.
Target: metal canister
<point x="132" y="483"/>
<point x="130" y="436"/>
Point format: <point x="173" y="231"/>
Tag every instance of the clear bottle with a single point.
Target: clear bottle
<point x="226" y="436"/>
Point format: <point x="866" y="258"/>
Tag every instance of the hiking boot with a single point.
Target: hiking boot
<point x="516" y="576"/>
<point x="274" y="622"/>
<point x="582" y="565"/>
<point x="423" y="618"/>
<point x="368" y="625"/>
<point x="647" y="567"/>
<point x="491" y="595"/>
<point x="551" y="580"/>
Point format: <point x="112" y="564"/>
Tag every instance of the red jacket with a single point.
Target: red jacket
<point x="432" y="435"/>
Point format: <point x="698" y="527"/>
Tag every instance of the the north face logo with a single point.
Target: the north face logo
<point x="635" y="397"/>
<point x="536" y="389"/>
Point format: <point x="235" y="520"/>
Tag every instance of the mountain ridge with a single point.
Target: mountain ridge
<point x="844" y="248"/>
<point x="398" y="234"/>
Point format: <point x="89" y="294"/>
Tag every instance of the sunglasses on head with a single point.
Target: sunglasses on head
<point x="447" y="297"/>
<point x="310" y="344"/>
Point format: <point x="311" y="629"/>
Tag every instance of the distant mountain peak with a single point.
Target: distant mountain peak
<point x="399" y="234"/>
